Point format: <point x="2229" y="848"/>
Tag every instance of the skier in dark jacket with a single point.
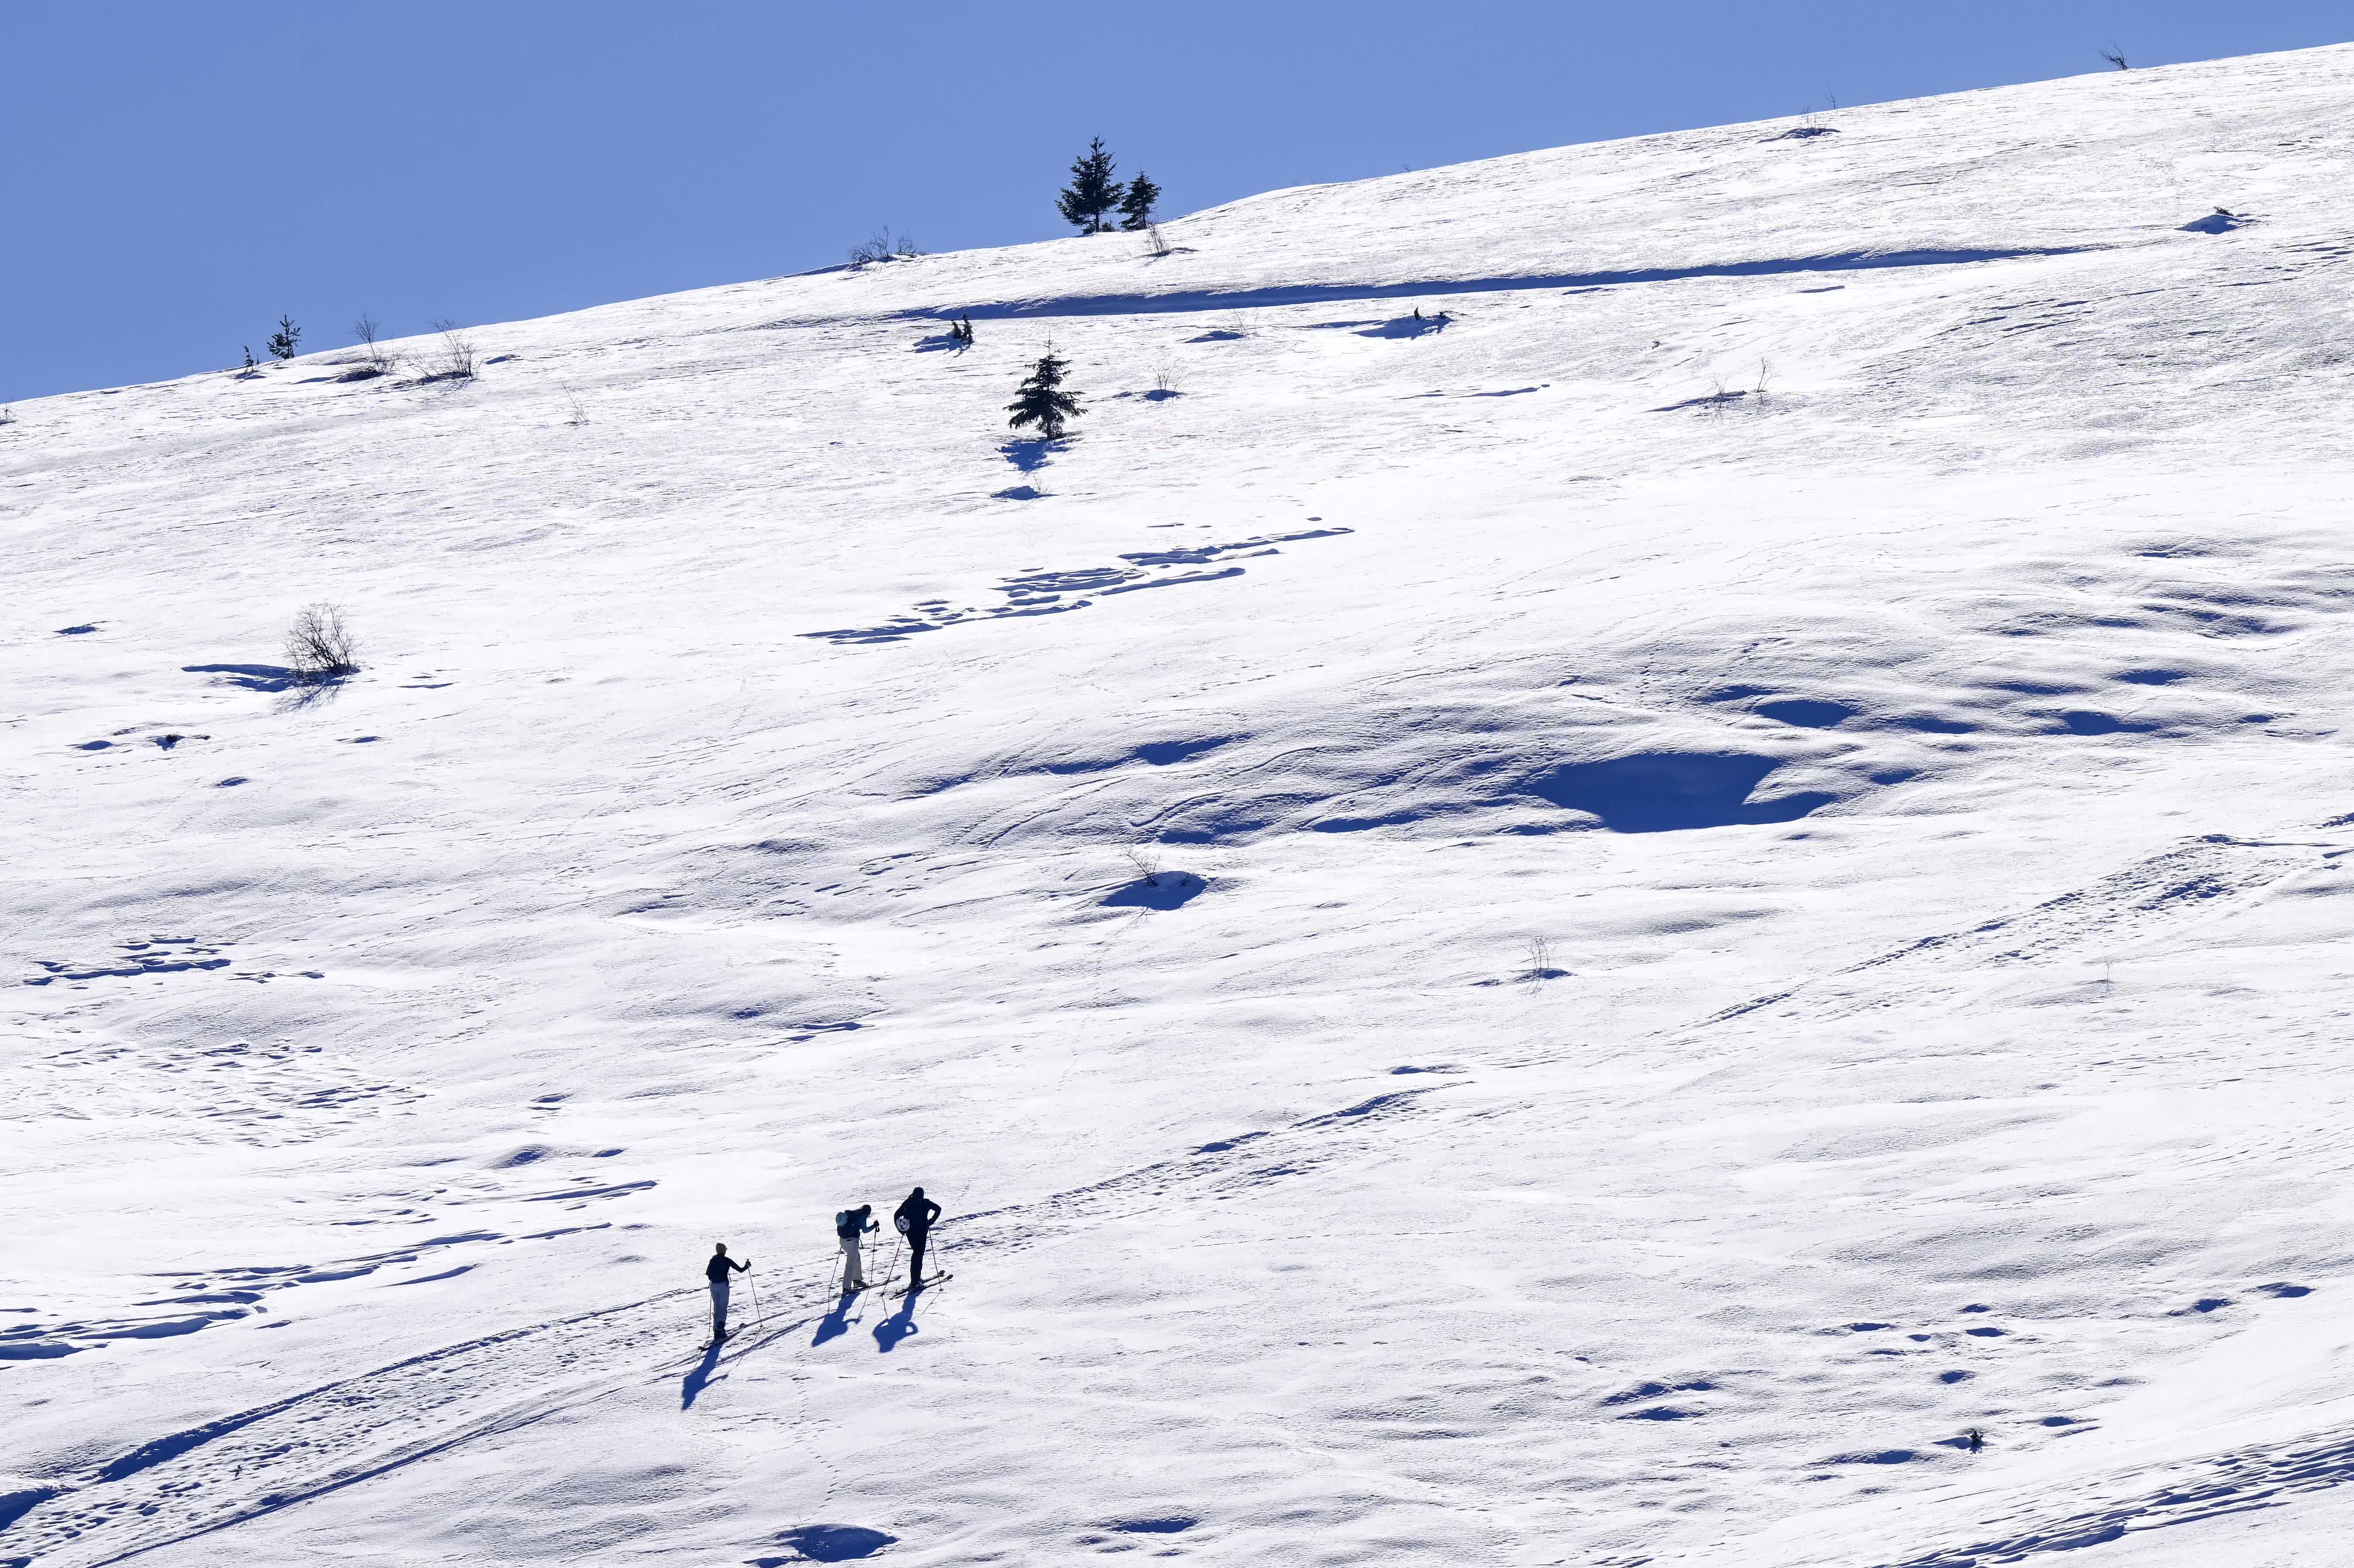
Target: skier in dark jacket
<point x="915" y="1219"/>
<point x="716" y="1271"/>
<point x="849" y="1225"/>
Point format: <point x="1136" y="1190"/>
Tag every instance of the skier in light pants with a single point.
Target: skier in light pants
<point x="717" y="1271"/>
<point x="850" y="1224"/>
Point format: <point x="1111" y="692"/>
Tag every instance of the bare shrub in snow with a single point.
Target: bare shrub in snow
<point x="1541" y="961"/>
<point x="320" y="645"/>
<point x="455" y="361"/>
<point x="882" y="246"/>
<point x="1156" y="243"/>
<point x="375" y="358"/>
<point x="1166" y="383"/>
<point x="579" y="414"/>
<point x="1145" y="861"/>
<point x="2115" y="57"/>
<point x="7" y="415"/>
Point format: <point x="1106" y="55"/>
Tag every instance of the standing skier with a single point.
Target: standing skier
<point x="915" y="1219"/>
<point x="716" y="1271"/>
<point x="850" y="1224"/>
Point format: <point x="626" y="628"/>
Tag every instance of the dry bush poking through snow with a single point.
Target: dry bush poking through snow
<point x="375" y="358"/>
<point x="882" y="248"/>
<point x="319" y="645"/>
<point x="457" y="361"/>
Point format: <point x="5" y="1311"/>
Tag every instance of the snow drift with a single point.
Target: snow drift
<point x="1634" y="832"/>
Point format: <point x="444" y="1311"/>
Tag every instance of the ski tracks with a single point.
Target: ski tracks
<point x="244" y="1466"/>
<point x="2237" y="1481"/>
<point x="1235" y="1164"/>
<point x="254" y="1463"/>
<point x="2192" y="881"/>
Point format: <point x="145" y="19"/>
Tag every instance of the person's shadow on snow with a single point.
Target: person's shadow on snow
<point x="693" y="1385"/>
<point x="837" y="1323"/>
<point x="899" y="1324"/>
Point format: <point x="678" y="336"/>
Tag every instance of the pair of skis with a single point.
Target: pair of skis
<point x="926" y="1282"/>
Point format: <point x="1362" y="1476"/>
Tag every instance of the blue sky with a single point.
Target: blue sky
<point x="175" y="176"/>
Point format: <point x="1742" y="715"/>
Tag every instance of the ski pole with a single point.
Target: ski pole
<point x="758" y="1316"/>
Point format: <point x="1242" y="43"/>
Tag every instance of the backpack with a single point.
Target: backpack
<point x="844" y="1222"/>
<point x="900" y="1221"/>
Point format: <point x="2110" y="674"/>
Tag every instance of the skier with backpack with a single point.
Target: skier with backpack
<point x="915" y="1219"/>
<point x="850" y="1224"/>
<point x="716" y="1271"/>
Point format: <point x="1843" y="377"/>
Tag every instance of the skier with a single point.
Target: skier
<point x="915" y="1219"/>
<point x="850" y="1224"/>
<point x="717" y="1271"/>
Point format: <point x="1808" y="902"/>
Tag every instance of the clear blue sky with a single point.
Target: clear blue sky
<point x="174" y="175"/>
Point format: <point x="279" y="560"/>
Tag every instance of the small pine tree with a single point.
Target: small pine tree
<point x="249" y="355"/>
<point x="1092" y="192"/>
<point x="962" y="331"/>
<point x="282" y="341"/>
<point x="1041" y="400"/>
<point x="1136" y="207"/>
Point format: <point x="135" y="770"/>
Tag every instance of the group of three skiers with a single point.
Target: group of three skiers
<point x="914" y="1218"/>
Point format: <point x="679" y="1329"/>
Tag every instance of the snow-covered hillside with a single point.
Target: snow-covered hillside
<point x="1574" y="928"/>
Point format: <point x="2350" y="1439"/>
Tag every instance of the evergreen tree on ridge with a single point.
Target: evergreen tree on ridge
<point x="1092" y="192"/>
<point x="1136" y="207"/>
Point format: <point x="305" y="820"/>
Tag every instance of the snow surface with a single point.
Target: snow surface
<point x="1723" y="858"/>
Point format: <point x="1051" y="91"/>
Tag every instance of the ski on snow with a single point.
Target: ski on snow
<point x="920" y="1284"/>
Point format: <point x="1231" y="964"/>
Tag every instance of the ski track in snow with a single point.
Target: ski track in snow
<point x="242" y="1467"/>
<point x="2241" y="1481"/>
<point x="2140" y="903"/>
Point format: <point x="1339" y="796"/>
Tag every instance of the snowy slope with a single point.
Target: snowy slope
<point x="1576" y="929"/>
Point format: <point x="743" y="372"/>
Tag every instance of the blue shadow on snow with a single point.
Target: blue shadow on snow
<point x="837" y="1323"/>
<point x="826" y="1543"/>
<point x="891" y="1330"/>
<point x="691" y="1387"/>
<point x="1162" y="890"/>
<point x="1666" y="791"/>
<point x="1807" y="713"/>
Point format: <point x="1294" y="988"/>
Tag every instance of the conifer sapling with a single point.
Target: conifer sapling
<point x="1041" y="400"/>
<point x="282" y="341"/>
<point x="1136" y="207"/>
<point x="1092" y="192"/>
